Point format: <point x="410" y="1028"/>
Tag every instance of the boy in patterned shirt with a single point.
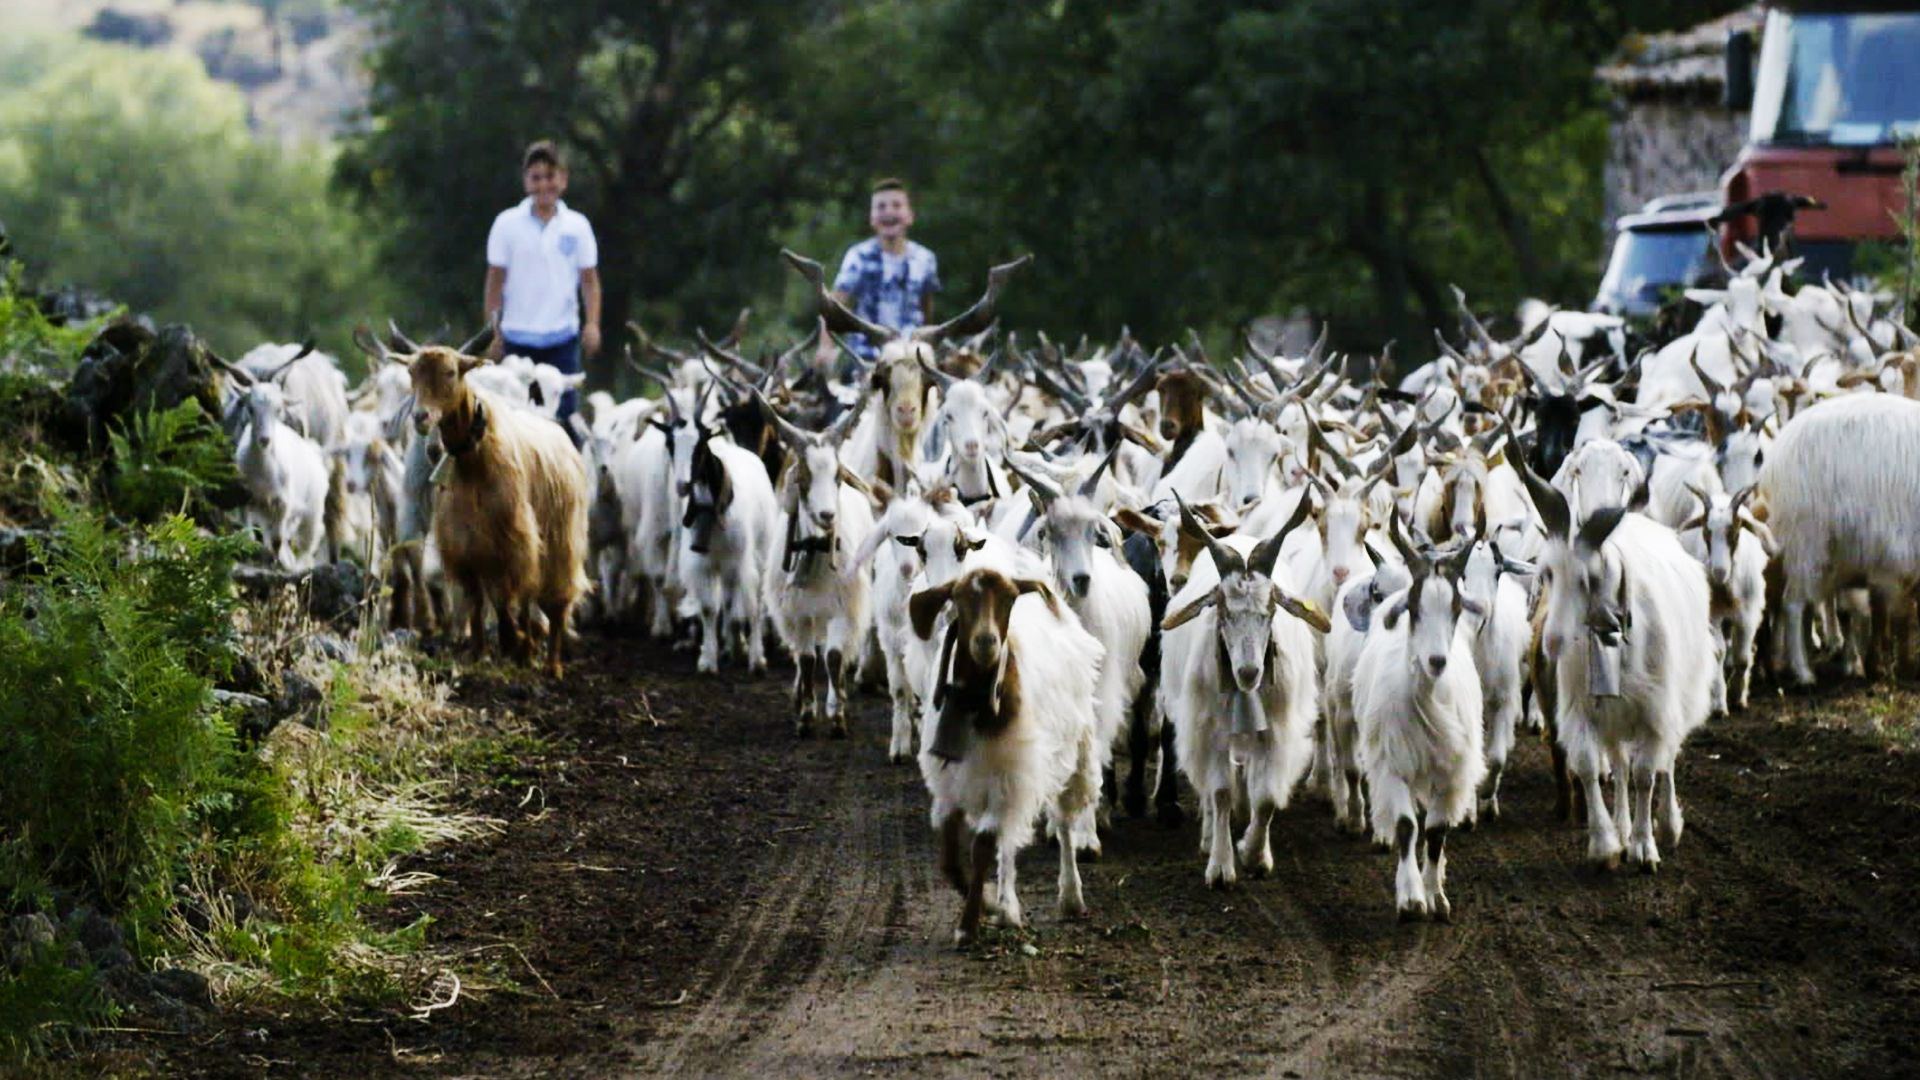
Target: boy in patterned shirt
<point x="887" y="279"/>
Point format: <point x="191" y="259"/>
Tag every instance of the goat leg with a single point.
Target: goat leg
<point x="1139" y="746"/>
<point x="1166" y="796"/>
<point x="985" y="848"/>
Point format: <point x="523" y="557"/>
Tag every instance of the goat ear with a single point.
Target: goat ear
<point x="468" y="363"/>
<point x="1181" y="617"/>
<point x="1303" y="609"/>
<point x="1390" y="618"/>
<point x="1031" y="585"/>
<point x="1694" y="522"/>
<point x="924" y="606"/>
<point x="1134" y="521"/>
<point x="1754" y="525"/>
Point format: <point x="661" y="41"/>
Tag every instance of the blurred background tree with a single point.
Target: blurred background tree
<point x="135" y="174"/>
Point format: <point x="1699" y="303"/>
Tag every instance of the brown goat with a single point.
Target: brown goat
<point x="511" y="517"/>
<point x="1183" y="403"/>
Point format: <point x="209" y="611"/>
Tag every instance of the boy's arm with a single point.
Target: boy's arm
<point x="926" y="308"/>
<point x="490" y="308"/>
<point x="590" y="328"/>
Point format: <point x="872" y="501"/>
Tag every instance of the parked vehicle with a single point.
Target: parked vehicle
<point x="1835" y="89"/>
<point x="1665" y="245"/>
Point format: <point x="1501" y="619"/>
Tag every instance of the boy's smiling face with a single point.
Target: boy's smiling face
<point x="890" y="214"/>
<point x="545" y="184"/>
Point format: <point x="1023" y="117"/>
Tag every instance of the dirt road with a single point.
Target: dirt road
<point x="707" y="897"/>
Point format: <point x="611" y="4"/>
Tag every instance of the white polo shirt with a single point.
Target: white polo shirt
<point x="543" y="261"/>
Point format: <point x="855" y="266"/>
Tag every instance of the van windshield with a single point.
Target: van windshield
<point x="1842" y="80"/>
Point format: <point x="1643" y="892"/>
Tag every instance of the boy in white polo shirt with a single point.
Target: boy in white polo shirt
<point x="541" y="262"/>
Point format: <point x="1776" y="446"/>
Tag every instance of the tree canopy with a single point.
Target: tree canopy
<point x="135" y="174"/>
<point x="1170" y="164"/>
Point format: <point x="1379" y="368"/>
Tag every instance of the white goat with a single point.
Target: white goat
<point x="1627" y="631"/>
<point x="1843" y="501"/>
<point x="286" y="475"/>
<point x="727" y="535"/>
<point x="1416" y="700"/>
<point x="820" y="611"/>
<point x="1239" y="686"/>
<point x="1014" y="733"/>
<point x="1736" y="580"/>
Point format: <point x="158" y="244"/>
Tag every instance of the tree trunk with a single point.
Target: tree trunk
<point x="1512" y="222"/>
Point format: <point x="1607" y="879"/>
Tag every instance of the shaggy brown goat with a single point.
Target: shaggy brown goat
<point x="511" y="516"/>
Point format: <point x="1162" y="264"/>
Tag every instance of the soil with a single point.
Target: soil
<point x="687" y="889"/>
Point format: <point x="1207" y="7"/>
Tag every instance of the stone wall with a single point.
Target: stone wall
<point x="1665" y="147"/>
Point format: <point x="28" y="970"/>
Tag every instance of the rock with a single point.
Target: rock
<point x="94" y="930"/>
<point x="116" y="958"/>
<point x="335" y="591"/>
<point x="253" y="715"/>
<point x="128" y="369"/>
<point x="300" y="700"/>
<point x="186" y="987"/>
<point x="332" y="648"/>
<point x="245" y="675"/>
<point x="29" y="939"/>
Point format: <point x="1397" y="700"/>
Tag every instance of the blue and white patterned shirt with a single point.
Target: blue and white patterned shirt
<point x="886" y="289"/>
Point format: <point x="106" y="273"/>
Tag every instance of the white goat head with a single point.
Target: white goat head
<point x="1432" y="604"/>
<point x="1245" y="600"/>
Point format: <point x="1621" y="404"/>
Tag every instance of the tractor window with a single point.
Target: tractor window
<point x="1847" y="80"/>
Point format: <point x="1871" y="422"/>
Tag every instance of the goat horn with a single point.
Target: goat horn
<point x="393" y="332"/>
<point x="1047" y="491"/>
<point x="980" y="315"/>
<point x="838" y="317"/>
<point x="940" y="378"/>
<point x="1225" y="559"/>
<point x="1267" y="552"/>
<point x="1092" y="485"/>
<point x="1551" y="505"/>
<point x="796" y="439"/>
<point x="306" y="349"/>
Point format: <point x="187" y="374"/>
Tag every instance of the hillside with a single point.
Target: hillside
<point x="302" y="77"/>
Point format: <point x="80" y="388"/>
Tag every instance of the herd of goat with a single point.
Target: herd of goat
<point x="1247" y="572"/>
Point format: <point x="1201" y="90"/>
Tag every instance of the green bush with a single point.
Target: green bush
<point x="111" y="750"/>
<point x="28" y="339"/>
<point x="168" y="462"/>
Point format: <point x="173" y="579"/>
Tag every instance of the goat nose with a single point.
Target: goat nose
<point x="1081" y="582"/>
<point x="1247" y="674"/>
<point x="1340" y="575"/>
<point x="1169" y="430"/>
<point x="1249" y="500"/>
<point x="1437" y="664"/>
<point x="826" y="517"/>
<point x="971" y="446"/>
<point x="1178" y="581"/>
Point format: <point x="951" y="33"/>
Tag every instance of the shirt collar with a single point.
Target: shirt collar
<point x="559" y="208"/>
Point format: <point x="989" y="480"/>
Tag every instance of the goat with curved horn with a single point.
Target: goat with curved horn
<point x="980" y="315"/>
<point x="306" y="350"/>
<point x="727" y="356"/>
<point x="654" y="348"/>
<point x="838" y="317"/>
<point x="1547" y="500"/>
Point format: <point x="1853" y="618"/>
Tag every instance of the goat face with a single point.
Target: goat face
<point x="1600" y="473"/>
<point x="1245" y="601"/>
<point x="1182" y="404"/>
<point x="983" y="609"/>
<point x="901" y="383"/>
<point x="905" y="526"/>
<point x="265" y="407"/>
<point x="1432" y="607"/>
<point x="1343" y="532"/>
<point x="1254" y="450"/>
<point x="1079" y="535"/>
<point x="439" y="377"/>
<point x="816" y="479"/>
<point x="973" y="425"/>
<point x="1586" y="585"/>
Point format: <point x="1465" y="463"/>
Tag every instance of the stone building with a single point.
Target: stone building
<point x="1670" y="131"/>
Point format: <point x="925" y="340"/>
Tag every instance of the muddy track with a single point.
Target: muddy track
<point x="706" y="897"/>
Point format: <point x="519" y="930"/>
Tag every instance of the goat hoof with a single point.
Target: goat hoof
<point x="803" y="729"/>
<point x="1220" y="880"/>
<point x="898" y="758"/>
<point x="1442" y="910"/>
<point x="1412" y="911"/>
<point x="963" y="938"/>
<point x="1074" y="910"/>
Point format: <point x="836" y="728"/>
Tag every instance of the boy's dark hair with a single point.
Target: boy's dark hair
<point x="542" y="152"/>
<point x="891" y="183"/>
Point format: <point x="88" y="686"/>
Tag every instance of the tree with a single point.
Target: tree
<point x="135" y="174"/>
<point x="676" y="118"/>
